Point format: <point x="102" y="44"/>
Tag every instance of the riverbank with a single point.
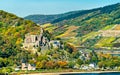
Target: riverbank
<point x="67" y="73"/>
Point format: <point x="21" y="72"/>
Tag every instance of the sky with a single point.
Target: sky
<point x="24" y="8"/>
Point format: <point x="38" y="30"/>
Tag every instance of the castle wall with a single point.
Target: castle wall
<point x="34" y="41"/>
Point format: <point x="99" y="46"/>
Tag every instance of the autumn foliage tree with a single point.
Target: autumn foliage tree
<point x="69" y="47"/>
<point x="50" y="64"/>
<point x="62" y="64"/>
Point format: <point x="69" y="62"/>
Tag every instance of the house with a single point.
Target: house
<point x="25" y="66"/>
<point x="18" y="68"/>
<point x="92" y="65"/>
<point x="88" y="67"/>
<point x="31" y="67"/>
<point x="84" y="67"/>
<point x="76" y="66"/>
<point x="84" y="55"/>
<point x="55" y="43"/>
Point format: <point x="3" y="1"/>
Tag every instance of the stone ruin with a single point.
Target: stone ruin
<point x="32" y="42"/>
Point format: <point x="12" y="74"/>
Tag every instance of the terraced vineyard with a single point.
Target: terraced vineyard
<point x="105" y="42"/>
<point x="69" y="32"/>
<point x="117" y="27"/>
<point x="109" y="27"/>
<point x="92" y="39"/>
<point x="89" y="36"/>
<point x="83" y="27"/>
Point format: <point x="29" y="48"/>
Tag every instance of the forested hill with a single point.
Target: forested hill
<point x="111" y="11"/>
<point x="95" y="20"/>
<point x="42" y="19"/>
<point x="12" y="32"/>
<point x="77" y="16"/>
<point x="12" y="19"/>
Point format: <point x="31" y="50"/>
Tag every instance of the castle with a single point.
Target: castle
<point x="32" y="42"/>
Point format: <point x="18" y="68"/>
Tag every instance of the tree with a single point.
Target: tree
<point x="62" y="64"/>
<point x="41" y="64"/>
<point x="71" y="64"/>
<point x="1" y="41"/>
<point x="42" y="57"/>
<point x="94" y="59"/>
<point x="101" y="64"/>
<point x="39" y="49"/>
<point x="50" y="64"/>
<point x="75" y="54"/>
<point x="69" y="47"/>
<point x="79" y="61"/>
<point x="4" y="62"/>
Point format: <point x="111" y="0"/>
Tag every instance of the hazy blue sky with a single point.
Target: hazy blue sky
<point x="26" y="7"/>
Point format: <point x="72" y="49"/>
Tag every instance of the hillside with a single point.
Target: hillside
<point x="86" y="36"/>
<point x="87" y="27"/>
<point x="87" y="14"/>
<point x="95" y="20"/>
<point x="42" y="19"/>
<point x="12" y="33"/>
<point x="89" y="20"/>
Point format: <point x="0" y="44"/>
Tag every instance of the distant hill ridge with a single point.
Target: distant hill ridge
<point x="41" y="19"/>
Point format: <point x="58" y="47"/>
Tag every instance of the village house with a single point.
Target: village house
<point x="26" y="66"/>
<point x="55" y="43"/>
<point x="84" y="56"/>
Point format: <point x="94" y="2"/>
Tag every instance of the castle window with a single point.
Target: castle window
<point x="36" y="38"/>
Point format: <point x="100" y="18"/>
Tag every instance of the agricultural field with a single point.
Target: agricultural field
<point x="117" y="27"/>
<point x="89" y="36"/>
<point x="69" y="32"/>
<point x="49" y="27"/>
<point x="105" y="42"/>
<point x="109" y="27"/>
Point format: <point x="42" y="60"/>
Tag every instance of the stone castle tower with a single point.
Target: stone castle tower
<point x="32" y="42"/>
